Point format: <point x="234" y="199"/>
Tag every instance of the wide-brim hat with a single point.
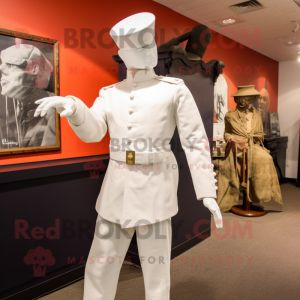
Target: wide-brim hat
<point x="134" y="32"/>
<point x="247" y="90"/>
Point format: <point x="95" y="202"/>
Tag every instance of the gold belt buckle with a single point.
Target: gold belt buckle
<point x="130" y="157"/>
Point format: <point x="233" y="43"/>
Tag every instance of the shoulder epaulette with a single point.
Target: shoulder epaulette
<point x="171" y="80"/>
<point x="110" y="86"/>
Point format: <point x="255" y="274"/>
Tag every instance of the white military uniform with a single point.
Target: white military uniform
<point x="137" y="112"/>
<point x="142" y="112"/>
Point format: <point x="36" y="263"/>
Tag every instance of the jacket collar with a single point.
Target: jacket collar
<point x="141" y="76"/>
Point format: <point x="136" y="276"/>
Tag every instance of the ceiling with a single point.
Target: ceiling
<point x="271" y="26"/>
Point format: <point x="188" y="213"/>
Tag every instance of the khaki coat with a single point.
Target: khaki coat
<point x="261" y="176"/>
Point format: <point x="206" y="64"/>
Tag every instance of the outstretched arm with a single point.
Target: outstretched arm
<point x="89" y="124"/>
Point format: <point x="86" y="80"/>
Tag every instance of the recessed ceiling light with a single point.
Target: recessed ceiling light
<point x="229" y="21"/>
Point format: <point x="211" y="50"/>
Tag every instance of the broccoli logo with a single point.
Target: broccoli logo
<point x="39" y="258"/>
<point x="95" y="167"/>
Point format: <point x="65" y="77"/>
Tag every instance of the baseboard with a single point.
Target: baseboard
<point x="293" y="181"/>
<point x="179" y="250"/>
<point x="290" y="179"/>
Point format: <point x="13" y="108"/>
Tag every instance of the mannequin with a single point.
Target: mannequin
<point x="244" y="133"/>
<point x="134" y="111"/>
<point x="197" y="39"/>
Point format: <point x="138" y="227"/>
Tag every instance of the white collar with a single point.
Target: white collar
<point x="141" y="76"/>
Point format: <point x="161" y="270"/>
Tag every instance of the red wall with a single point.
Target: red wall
<point x="83" y="71"/>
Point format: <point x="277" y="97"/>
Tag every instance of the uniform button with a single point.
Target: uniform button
<point x="130" y="111"/>
<point x="131" y="97"/>
<point x="134" y="85"/>
<point x="129" y="126"/>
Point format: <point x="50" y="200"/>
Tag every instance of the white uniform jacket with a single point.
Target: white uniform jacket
<point x="142" y="113"/>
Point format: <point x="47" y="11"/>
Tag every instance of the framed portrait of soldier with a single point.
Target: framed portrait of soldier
<point x="263" y="104"/>
<point x="28" y="72"/>
<point x="274" y="124"/>
<point x="220" y="110"/>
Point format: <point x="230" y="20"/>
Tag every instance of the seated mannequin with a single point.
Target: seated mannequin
<point x="244" y="133"/>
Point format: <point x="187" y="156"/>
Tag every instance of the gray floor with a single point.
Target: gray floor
<point x="262" y="265"/>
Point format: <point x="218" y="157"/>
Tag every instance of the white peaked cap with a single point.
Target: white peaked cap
<point x="134" y="32"/>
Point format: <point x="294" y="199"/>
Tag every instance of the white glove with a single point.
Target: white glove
<point x="212" y="205"/>
<point x="65" y="106"/>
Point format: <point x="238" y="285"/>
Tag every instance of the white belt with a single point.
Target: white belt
<point x="140" y="158"/>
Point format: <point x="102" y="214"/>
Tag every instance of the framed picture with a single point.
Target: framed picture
<point x="28" y="72"/>
<point x="220" y="110"/>
<point x="274" y="124"/>
<point x="263" y="104"/>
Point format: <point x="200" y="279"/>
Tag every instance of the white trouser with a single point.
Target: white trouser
<point x="108" y="251"/>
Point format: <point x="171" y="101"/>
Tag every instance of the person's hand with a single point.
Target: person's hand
<point x="212" y="205"/>
<point x="65" y="106"/>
